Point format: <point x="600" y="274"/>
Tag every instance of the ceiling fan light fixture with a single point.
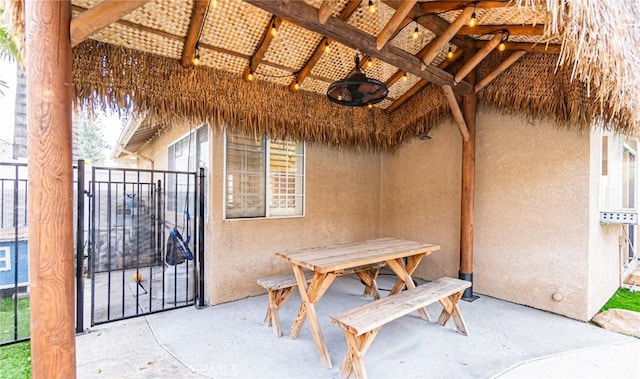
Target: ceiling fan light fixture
<point x="356" y="90"/>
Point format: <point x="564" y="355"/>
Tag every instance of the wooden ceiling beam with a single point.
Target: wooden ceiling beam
<point x="326" y="8"/>
<point x="392" y="27"/>
<point x="262" y="48"/>
<point x="317" y="53"/>
<point x="444" y="38"/>
<point x="478" y="57"/>
<point x="445" y="6"/>
<point x="502" y="67"/>
<point x="456" y="112"/>
<point x="421" y="84"/>
<point x="514" y="30"/>
<point x="99" y="17"/>
<point x="198" y="13"/>
<point x="550" y="48"/>
<point x="306" y="16"/>
<point x="432" y="22"/>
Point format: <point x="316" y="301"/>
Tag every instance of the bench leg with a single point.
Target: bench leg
<point x="357" y="347"/>
<point x="369" y="279"/>
<point x="276" y="299"/>
<point x="450" y="310"/>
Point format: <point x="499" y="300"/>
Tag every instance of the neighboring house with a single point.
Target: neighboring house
<point x="539" y="193"/>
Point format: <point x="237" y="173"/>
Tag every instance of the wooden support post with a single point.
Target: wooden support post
<point x="50" y="199"/>
<point x="467" y="203"/>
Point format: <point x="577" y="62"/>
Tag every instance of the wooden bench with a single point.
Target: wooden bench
<point x="363" y="323"/>
<point x="279" y="289"/>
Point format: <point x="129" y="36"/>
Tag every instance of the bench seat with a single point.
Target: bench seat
<point x="280" y="287"/>
<point x="361" y="324"/>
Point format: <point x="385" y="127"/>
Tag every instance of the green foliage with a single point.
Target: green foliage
<point x="624" y="299"/>
<point x="92" y="143"/>
<point x="16" y="361"/>
<point x="7" y="318"/>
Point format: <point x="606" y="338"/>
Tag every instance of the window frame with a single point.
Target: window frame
<point x="267" y="193"/>
<point x="6" y="259"/>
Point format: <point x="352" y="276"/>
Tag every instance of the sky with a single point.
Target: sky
<point x="112" y="126"/>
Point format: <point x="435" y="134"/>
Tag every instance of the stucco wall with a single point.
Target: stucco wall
<point x="531" y="214"/>
<point x="342" y="205"/>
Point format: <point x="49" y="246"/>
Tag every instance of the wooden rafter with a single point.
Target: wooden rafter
<point x="550" y="48"/>
<point x="439" y="42"/>
<point x="478" y="57"/>
<point x="306" y="16"/>
<point x="393" y="25"/>
<point x="456" y="112"/>
<point x="262" y="48"/>
<point x="99" y="17"/>
<point x="326" y="8"/>
<point x="502" y="67"/>
<point x="514" y="30"/>
<point x="432" y="22"/>
<point x="198" y="14"/>
<point x="444" y="6"/>
<point x="317" y="53"/>
<point x="421" y="84"/>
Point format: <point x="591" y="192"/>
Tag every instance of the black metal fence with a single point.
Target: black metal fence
<point x="143" y="237"/>
<point x="14" y="258"/>
<point x="139" y="244"/>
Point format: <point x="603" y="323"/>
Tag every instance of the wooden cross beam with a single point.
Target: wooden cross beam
<point x="502" y="67"/>
<point x="317" y="53"/>
<point x="514" y="30"/>
<point x="393" y="26"/>
<point x="478" y="57"/>
<point x="99" y="17"/>
<point x="445" y="6"/>
<point x="456" y="112"/>
<point x="267" y="37"/>
<point x="306" y="16"/>
<point x="448" y="34"/>
<point x="326" y="8"/>
<point x="422" y="83"/>
<point x="551" y="48"/>
<point x="198" y="14"/>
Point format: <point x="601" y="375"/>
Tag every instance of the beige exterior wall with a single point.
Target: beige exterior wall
<point x="537" y="229"/>
<point x="533" y="212"/>
<point x="342" y="205"/>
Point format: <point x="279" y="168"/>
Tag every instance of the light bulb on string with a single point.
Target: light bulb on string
<point x="296" y="86"/>
<point x="473" y="21"/>
<point x="372" y="7"/>
<point x="416" y="33"/>
<point x="501" y="46"/>
<point x="274" y="29"/>
<point x="327" y="48"/>
<point x="405" y="77"/>
<point x="450" y="52"/>
<point x="214" y="3"/>
<point x="196" y="56"/>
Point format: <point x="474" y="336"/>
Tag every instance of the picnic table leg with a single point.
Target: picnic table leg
<point x="369" y="279"/>
<point x="450" y="310"/>
<point x="404" y="275"/>
<point x="310" y="296"/>
<point x="357" y="347"/>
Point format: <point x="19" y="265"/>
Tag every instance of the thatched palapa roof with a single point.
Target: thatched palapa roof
<point x="579" y="64"/>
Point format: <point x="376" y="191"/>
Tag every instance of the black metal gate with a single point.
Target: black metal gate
<point x="145" y="239"/>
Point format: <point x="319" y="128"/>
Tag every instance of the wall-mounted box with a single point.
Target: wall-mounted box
<point x="619" y="217"/>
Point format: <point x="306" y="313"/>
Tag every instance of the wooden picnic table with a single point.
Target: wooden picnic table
<point x="329" y="262"/>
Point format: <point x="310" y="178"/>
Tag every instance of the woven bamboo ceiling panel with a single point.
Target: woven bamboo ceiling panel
<point x="550" y="52"/>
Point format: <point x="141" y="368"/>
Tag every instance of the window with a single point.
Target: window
<point x="5" y="259"/>
<point x="187" y="154"/>
<point x="264" y="178"/>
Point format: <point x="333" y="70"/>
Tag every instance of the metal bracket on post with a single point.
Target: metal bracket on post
<point x="468" y="295"/>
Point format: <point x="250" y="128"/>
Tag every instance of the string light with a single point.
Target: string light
<point x="450" y="52"/>
<point x="473" y="21"/>
<point x="369" y="63"/>
<point x="274" y="29"/>
<point x="249" y="76"/>
<point x="296" y="86"/>
<point x="372" y="7"/>
<point x="369" y="106"/>
<point x="405" y="77"/>
<point x="502" y="46"/>
<point x="327" y="48"/>
<point x="196" y="56"/>
<point x="415" y="33"/>
<point x="214" y="3"/>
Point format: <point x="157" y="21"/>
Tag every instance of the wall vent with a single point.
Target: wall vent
<point x="619" y="217"/>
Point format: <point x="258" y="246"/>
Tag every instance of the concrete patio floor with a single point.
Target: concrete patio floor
<point x="229" y="340"/>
